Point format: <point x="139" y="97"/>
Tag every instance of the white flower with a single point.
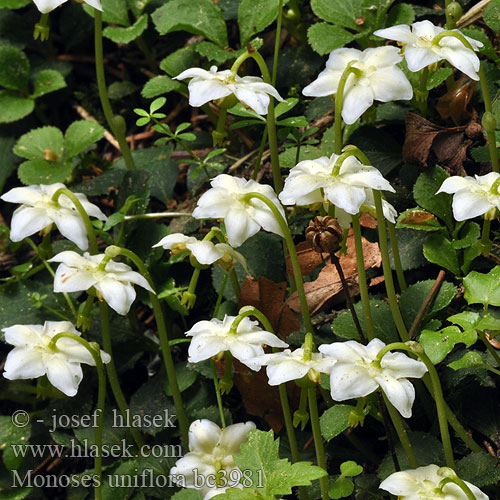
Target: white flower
<point x="205" y="252"/>
<point x="420" y="52"/>
<point x="45" y="6"/>
<point x="356" y="374"/>
<point x="215" y="336"/>
<point x="39" y="211"/>
<point x="207" y="86"/>
<point x="211" y="449"/>
<point x="423" y="483"/>
<point x="242" y="218"/>
<point x="345" y="189"/>
<point x="377" y="79"/>
<point x="113" y="282"/>
<point x="32" y="358"/>
<point x="287" y="365"/>
<point x="473" y="196"/>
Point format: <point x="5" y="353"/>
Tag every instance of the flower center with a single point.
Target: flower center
<point x="424" y="42"/>
<point x="428" y="490"/>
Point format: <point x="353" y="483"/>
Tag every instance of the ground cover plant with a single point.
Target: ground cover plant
<point x="249" y="249"/>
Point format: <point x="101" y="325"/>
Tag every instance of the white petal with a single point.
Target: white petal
<point x="118" y="295"/>
<point x="467" y="205"/>
<point x="94" y="3"/>
<point x="326" y="84"/>
<point x="239" y="227"/>
<point x="170" y="240"/>
<point x="26" y="195"/>
<point x="72" y="227"/>
<point x="201" y="92"/>
<point x="418" y="58"/>
<point x="71" y="279"/>
<point x="45" y="6"/>
<point x="23" y="335"/>
<point x="383" y="58"/>
<point x="400" y="393"/>
<point x="463" y="59"/>
<point x="233" y="436"/>
<point x="350" y="381"/>
<point x="204" y="436"/>
<point x="63" y="375"/>
<point x="400" y="365"/>
<point x="23" y="363"/>
<point x="390" y="84"/>
<point x="204" y="347"/>
<point x="27" y="221"/>
<point x="349" y="198"/>
<point x="400" y="33"/>
<point x="356" y="101"/>
<point x="285" y="371"/>
<point x="205" y="252"/>
<point x="257" y="101"/>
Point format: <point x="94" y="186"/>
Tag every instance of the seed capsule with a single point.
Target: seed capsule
<point x="324" y="234"/>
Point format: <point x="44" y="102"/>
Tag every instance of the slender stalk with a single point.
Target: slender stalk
<point x="217" y="393"/>
<point x="235" y="283"/>
<point x="461" y="484"/>
<point x="388" y="430"/>
<point x="189" y="297"/>
<point x="101" y="399"/>
<point x="489" y="347"/>
<point x="220" y="295"/>
<point x="293" y="255"/>
<point x="83" y="214"/>
<point x="485" y="242"/>
<point x="112" y="373"/>
<point x="277" y="39"/>
<point x="401" y="431"/>
<point x="389" y="283"/>
<point x="318" y="440"/>
<point x="116" y="126"/>
<point x="363" y="286"/>
<point x="263" y="142"/>
<point x="163" y="334"/>
<point x="397" y="258"/>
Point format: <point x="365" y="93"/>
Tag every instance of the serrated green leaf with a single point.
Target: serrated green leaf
<point x="402" y="13"/>
<point x="202" y="17"/>
<point x="469" y="236"/>
<point x="383" y="324"/>
<point x="334" y="421"/>
<point x="481" y="469"/>
<point x="126" y="34"/>
<point x="425" y="195"/>
<point x="159" y="85"/>
<point x="255" y="16"/>
<point x="40" y="171"/>
<point x="438" y="345"/>
<point x="13" y="107"/>
<point x="491" y="15"/>
<point x="47" y="81"/>
<point x="418" y="219"/>
<point x="440" y="251"/>
<point x="80" y="135"/>
<point x="113" y="11"/>
<point x="187" y="494"/>
<point x="34" y="143"/>
<point x="438" y="77"/>
<point x="340" y="12"/>
<point x="15" y="68"/>
<point x="483" y="288"/>
<point x="289" y="156"/>
<point x="181" y="59"/>
<point x="471" y="359"/>
<point x="12" y="436"/>
<point x="466" y="319"/>
<point x="413" y="297"/>
<point x="341" y="488"/>
<point x="324" y="38"/>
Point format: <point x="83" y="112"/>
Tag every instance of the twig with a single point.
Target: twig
<point x="426" y="303"/>
<point x="473" y="14"/>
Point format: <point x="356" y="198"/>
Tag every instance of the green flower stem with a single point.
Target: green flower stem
<point x="189" y="297"/>
<point x="51" y="271"/>
<point x="117" y="126"/>
<point x="489" y="347"/>
<point x="490" y="122"/>
<point x="112" y="373"/>
<point x="217" y="393"/>
<point x="94" y="351"/>
<point x="270" y="120"/>
<point x="417" y="349"/>
<point x="235" y="283"/>
<point x="363" y="286"/>
<point x="318" y="440"/>
<point x="388" y="430"/>
<point x="389" y="282"/>
<point x="299" y="283"/>
<point x="163" y="334"/>
<point x="422" y="93"/>
<point x="259" y="155"/>
<point x="83" y="214"/>
<point x="339" y="102"/>
<point x="397" y="259"/>
<point x="158" y="215"/>
<point x="277" y="39"/>
<point x="401" y="431"/>
<point x="220" y="295"/>
<point x="461" y="484"/>
<point x="485" y="242"/>
<point x="220" y="133"/>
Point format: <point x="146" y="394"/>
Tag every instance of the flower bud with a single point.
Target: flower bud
<point x="324" y="234"/>
<point x="454" y="11"/>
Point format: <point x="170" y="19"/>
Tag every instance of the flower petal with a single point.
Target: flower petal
<point x="118" y="295"/>
<point x="24" y="363"/>
<point x="357" y="100"/>
<point x="64" y="375"/>
<point x="27" y="221"/>
<point x="400" y="393"/>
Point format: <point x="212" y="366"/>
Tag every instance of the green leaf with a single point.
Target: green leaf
<point x="324" y="38"/>
<point x="334" y="421"/>
<point x="285" y="106"/>
<point x="47" y="81"/>
<point x="202" y="17"/>
<point x="8" y="158"/>
<point x="438" y="345"/>
<point x="350" y="468"/>
<point x="255" y="16"/>
<point x="418" y="219"/>
<point x="487" y="49"/>
<point x="483" y="288"/>
<point x="34" y="143"/>
<point x="481" y="469"/>
<point x="471" y="359"/>
<point x="469" y="236"/>
<point x="12" y="437"/>
<point x="339" y="12"/>
<point x="410" y="244"/>
<point x="80" y="135"/>
<point x="259" y="458"/>
<point x="436" y="78"/>
<point x="187" y="494"/>
<point x="402" y="13"/>
<point x="413" y="297"/>
<point x="12" y="5"/>
<point x="159" y="103"/>
<point x="341" y="488"/>
<point x="383" y="324"/>
<point x="13" y="107"/>
<point x="288" y="157"/>
<point x="17" y="493"/>
<point x="425" y="195"/>
<point x="40" y="171"/>
<point x="440" y="251"/>
<point x="119" y="90"/>
<point x="491" y="15"/>
<point x="181" y="59"/>
<point x="15" y="68"/>
<point x="125" y="35"/>
<point x="159" y="85"/>
<point x="186" y="377"/>
<point x="113" y="11"/>
<point x="293" y="121"/>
